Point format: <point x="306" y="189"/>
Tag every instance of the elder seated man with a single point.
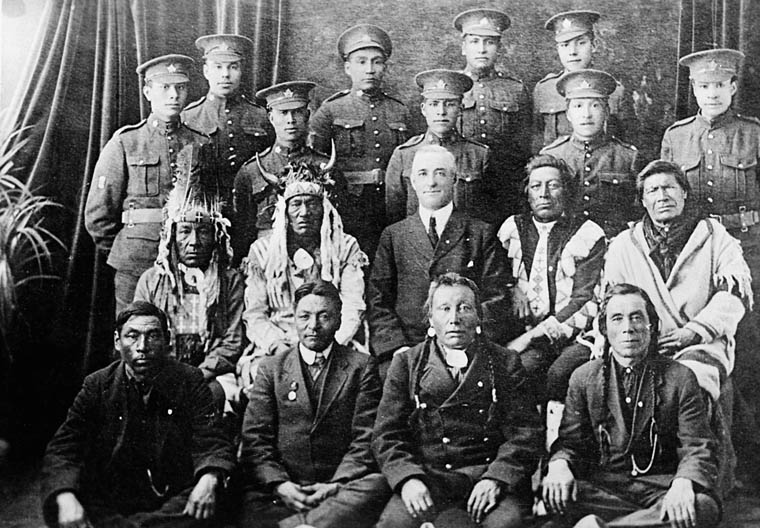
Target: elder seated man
<point x="142" y="444"/>
<point x="557" y="259"/>
<point x="306" y="435"/>
<point x="696" y="275"/>
<point x="635" y="446"/>
<point x="307" y="243"/>
<point x="202" y="296"/>
<point x="457" y="434"/>
<point x="437" y="239"/>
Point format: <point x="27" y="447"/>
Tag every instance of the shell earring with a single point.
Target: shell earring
<point x="478" y="330"/>
<point x="431" y="332"/>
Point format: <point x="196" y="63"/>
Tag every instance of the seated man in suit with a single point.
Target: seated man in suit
<point x="557" y="259"/>
<point x="192" y="282"/>
<point x="635" y="445"/>
<point x="142" y="444"/>
<point x="457" y="431"/>
<point x="435" y="240"/>
<point x="306" y="435"/>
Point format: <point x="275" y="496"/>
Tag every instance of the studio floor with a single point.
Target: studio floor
<point x="20" y="504"/>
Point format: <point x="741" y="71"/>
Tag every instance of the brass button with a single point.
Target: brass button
<point x="709" y="183"/>
<point x="448" y="466"/>
<point x="376" y="132"/>
<point x="374" y="118"/>
<point x="709" y="199"/>
<point x="445" y="440"/>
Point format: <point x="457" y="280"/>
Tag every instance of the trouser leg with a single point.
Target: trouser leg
<point x="358" y="504"/>
<point x="124" y="284"/>
<point x="558" y="376"/>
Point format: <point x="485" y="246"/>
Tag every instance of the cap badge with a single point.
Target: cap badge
<point x="567" y="23"/>
<point x="224" y="47"/>
<point x="441" y="84"/>
<point x="585" y="85"/>
<point x="172" y="68"/>
<point x="484" y="22"/>
<point x="712" y="65"/>
<point x="288" y="93"/>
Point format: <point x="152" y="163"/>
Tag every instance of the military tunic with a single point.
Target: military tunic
<point x="366" y="129"/>
<point x="497" y="113"/>
<point x="605" y="171"/>
<point x="256" y="197"/>
<point x="550" y="110"/>
<point x="474" y="190"/>
<point x="134" y="174"/>
<point x="239" y="127"/>
<point x="720" y="161"/>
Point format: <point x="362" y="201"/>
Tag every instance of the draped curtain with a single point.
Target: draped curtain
<point x="707" y="24"/>
<point x="81" y="86"/>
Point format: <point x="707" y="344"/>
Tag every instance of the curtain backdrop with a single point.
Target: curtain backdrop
<point x="707" y="24"/>
<point x="80" y="87"/>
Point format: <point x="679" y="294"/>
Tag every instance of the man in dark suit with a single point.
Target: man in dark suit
<point x="306" y="434"/>
<point x="635" y="432"/>
<point x="142" y="444"/>
<point x="456" y="429"/>
<point x="436" y="240"/>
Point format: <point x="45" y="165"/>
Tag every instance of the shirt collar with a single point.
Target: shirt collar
<point x="163" y="127"/>
<point x="309" y="355"/>
<point x="543" y="226"/>
<point x="282" y="150"/>
<point x="442" y="216"/>
<point x="582" y="144"/>
<point x="455" y="358"/>
<point x="433" y="139"/>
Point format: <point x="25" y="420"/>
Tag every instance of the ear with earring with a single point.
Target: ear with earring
<point x="478" y="330"/>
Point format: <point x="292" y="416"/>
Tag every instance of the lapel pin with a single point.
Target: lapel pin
<point x="292" y="395"/>
<point x="169" y="412"/>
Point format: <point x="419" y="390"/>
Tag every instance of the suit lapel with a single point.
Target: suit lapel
<point x="165" y="406"/>
<point x="451" y="235"/>
<point x="528" y="239"/>
<point x="473" y="377"/>
<point x="117" y="404"/>
<point x="418" y="239"/>
<point x="436" y="383"/>
<point x="335" y="379"/>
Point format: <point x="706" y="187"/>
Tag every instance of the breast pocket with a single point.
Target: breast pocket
<point x="144" y="174"/>
<point x="504" y="115"/>
<point x="616" y="190"/>
<point x="739" y="178"/>
<point x="399" y="131"/>
<point x="349" y="137"/>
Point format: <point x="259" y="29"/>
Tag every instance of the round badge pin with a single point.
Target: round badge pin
<point x="292" y="395"/>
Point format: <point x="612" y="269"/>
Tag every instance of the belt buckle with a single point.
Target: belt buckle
<point x="719" y="218"/>
<point x="743" y="218"/>
<point x="130" y="223"/>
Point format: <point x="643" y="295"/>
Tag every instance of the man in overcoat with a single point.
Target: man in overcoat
<point x="437" y="239"/>
<point x="306" y="452"/>
<point x="142" y="444"/>
<point x="634" y="445"/>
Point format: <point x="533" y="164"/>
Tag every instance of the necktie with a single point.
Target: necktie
<point x="432" y="232"/>
<point x="538" y="293"/>
<point x="315" y="369"/>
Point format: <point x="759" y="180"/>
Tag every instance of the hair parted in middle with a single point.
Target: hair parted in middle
<point x="452" y="279"/>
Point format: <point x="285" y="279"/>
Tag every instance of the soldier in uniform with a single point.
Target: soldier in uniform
<point x="135" y="172"/>
<point x="255" y="194"/>
<point x="241" y="126"/>
<point x="496" y="111"/>
<point x="475" y="189"/>
<point x="366" y="124"/>
<point x="574" y="35"/>
<point x="605" y="167"/>
<point x="718" y="150"/>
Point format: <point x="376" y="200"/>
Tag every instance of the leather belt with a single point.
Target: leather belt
<point x="743" y="220"/>
<point x="371" y="177"/>
<point x="133" y="216"/>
